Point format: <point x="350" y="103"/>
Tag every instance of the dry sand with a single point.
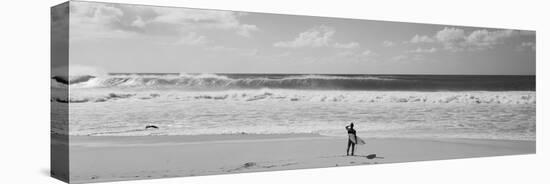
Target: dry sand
<point x="95" y="159"/>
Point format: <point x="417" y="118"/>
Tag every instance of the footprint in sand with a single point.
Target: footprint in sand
<point x="244" y="166"/>
<point x="250" y="165"/>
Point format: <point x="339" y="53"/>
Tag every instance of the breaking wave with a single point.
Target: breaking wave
<point x="304" y="82"/>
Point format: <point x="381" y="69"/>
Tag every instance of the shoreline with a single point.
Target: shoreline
<point x="104" y="158"/>
<point x="84" y="140"/>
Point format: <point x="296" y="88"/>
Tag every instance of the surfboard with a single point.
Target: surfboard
<point x="353" y="138"/>
<point x="359" y="141"/>
<point x="356" y="139"/>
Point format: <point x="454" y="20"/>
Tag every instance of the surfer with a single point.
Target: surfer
<point x="352" y="139"/>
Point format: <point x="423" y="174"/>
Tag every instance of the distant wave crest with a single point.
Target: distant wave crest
<point x="301" y="82"/>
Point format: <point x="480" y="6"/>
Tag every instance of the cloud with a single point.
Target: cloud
<point x="399" y="58"/>
<point x="234" y="50"/>
<point x="90" y="20"/>
<point x="315" y="37"/>
<point x="449" y="35"/>
<point x="421" y="39"/>
<point x="320" y="36"/>
<point x="355" y="56"/>
<point x="60" y="25"/>
<point x="388" y="43"/>
<point x="246" y="29"/>
<point x="352" y="56"/>
<point x="138" y="22"/>
<point x="527" y="46"/>
<point x="527" y="33"/>
<point x="204" y="19"/>
<point x="346" y="53"/>
<point x="487" y="39"/>
<point x="192" y="39"/>
<point x="368" y="53"/>
<point x="350" y="45"/>
<point x="456" y="39"/>
<point x="409" y="58"/>
<point x="421" y="50"/>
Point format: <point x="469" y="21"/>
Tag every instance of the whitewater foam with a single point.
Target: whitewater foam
<point x="334" y="96"/>
<point x="198" y="114"/>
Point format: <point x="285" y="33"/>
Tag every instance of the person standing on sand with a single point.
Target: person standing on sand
<point x="352" y="139"/>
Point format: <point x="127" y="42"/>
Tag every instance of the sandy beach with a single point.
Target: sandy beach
<point x="113" y="158"/>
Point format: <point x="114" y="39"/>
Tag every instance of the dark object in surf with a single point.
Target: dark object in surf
<point x="151" y="126"/>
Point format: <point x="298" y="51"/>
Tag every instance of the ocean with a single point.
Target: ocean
<point x="412" y="106"/>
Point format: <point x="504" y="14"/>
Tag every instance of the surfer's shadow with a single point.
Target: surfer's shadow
<point x="363" y="159"/>
<point x="370" y="156"/>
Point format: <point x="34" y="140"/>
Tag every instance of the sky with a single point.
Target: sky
<point x="110" y="38"/>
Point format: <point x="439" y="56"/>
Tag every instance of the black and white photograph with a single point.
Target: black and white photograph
<point x="145" y="92"/>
